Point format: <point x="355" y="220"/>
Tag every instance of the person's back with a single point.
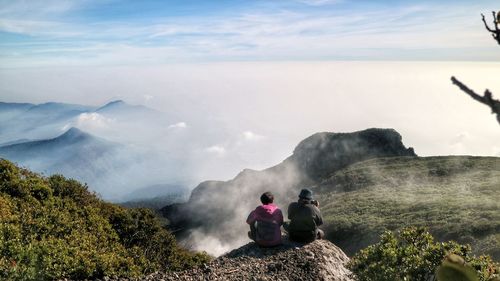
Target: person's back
<point x="305" y="217"/>
<point x="265" y="222"/>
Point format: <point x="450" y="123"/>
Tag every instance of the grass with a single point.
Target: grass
<point x="456" y="197"/>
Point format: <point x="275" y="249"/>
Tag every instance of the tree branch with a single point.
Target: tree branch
<point x="486" y="24"/>
<point x="486" y="99"/>
<point x="496" y="21"/>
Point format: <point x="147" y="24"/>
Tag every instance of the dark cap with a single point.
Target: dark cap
<point x="306" y="194"/>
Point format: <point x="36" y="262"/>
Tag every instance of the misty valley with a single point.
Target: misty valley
<point x="367" y="182"/>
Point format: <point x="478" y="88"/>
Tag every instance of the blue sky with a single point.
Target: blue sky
<point x="115" y="32"/>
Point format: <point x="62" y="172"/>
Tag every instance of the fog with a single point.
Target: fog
<point x="223" y="117"/>
<point x="311" y="165"/>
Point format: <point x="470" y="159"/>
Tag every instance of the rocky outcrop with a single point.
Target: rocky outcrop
<point x="323" y="153"/>
<point x="320" y="260"/>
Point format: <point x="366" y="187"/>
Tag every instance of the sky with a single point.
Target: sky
<point x="126" y="32"/>
<point x="253" y="78"/>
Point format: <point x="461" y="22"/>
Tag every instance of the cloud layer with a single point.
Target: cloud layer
<point x="70" y="33"/>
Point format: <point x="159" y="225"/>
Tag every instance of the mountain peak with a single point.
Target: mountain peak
<point x="74" y="133"/>
<point x="112" y="104"/>
<point x="323" y="153"/>
<point x="115" y="102"/>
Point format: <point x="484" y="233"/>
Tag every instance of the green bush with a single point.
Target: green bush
<point x="412" y="254"/>
<point x="53" y="228"/>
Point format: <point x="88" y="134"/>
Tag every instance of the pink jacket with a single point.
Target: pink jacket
<point x="269" y="213"/>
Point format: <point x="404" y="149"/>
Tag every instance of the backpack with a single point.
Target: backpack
<point x="266" y="231"/>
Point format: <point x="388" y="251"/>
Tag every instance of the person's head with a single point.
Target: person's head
<point x="306" y="194"/>
<point x="267" y="198"/>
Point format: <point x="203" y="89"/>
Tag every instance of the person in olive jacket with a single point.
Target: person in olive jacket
<point x="305" y="218"/>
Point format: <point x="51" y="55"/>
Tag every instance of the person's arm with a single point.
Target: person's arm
<point x="318" y="219"/>
<point x="291" y="209"/>
<point x="252" y="217"/>
<point x="280" y="217"/>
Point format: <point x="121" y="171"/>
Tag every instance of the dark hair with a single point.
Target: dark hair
<point x="267" y="198"/>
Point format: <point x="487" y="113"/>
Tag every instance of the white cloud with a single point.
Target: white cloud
<point x="251" y="136"/>
<point x="65" y="127"/>
<point x="93" y="121"/>
<point x="216" y="149"/>
<point x="148" y="97"/>
<point x="179" y="125"/>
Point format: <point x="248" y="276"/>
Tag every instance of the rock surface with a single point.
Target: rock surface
<point x="320" y="260"/>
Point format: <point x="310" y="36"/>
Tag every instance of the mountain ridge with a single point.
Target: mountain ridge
<point x="240" y="195"/>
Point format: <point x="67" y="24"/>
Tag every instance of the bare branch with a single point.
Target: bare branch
<point x="486" y="99"/>
<point x="496" y="21"/>
<point x="486" y="24"/>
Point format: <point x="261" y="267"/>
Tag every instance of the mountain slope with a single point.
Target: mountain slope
<point x="457" y="197"/>
<point x="54" y="228"/>
<point x="216" y="210"/>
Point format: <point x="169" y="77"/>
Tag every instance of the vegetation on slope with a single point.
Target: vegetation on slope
<point x="53" y="228"/>
<point x="456" y="197"/>
<point x="412" y="254"/>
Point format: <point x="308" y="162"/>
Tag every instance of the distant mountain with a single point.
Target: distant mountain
<point x="12" y="106"/>
<point x="75" y="154"/>
<point x="119" y="105"/>
<point x="30" y="121"/>
<point x="57" y="108"/>
<point x="154" y="191"/>
<point x="15" y="142"/>
<point x="92" y="153"/>
<point x="9" y="111"/>
<point x="155" y="196"/>
<point x="40" y="121"/>
<point x="75" y="141"/>
<point x="123" y="111"/>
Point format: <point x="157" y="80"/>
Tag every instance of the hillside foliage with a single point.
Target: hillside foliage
<point x="456" y="197"/>
<point x="412" y="254"/>
<point x="52" y="228"/>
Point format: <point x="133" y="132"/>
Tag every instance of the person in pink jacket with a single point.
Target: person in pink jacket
<point x="265" y="222"/>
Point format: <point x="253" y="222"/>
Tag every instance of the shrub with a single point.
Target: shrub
<point x="412" y="254"/>
<point x="54" y="228"/>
